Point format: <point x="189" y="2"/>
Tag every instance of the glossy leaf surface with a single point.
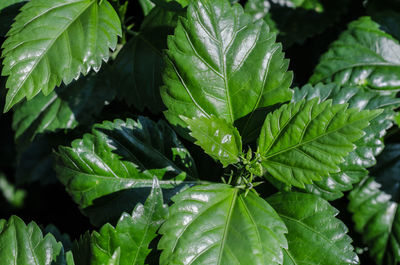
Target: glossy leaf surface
<point x="363" y="55"/>
<point x="217" y="224"/>
<point x="54" y="41"/>
<point x="216" y="59"/>
<point x="123" y="155"/>
<point x="305" y="141"/>
<point x="314" y="236"/>
<point x="22" y="244"/>
<point x="375" y="207"/>
<point x="217" y="137"/>
<point x="370" y="145"/>
<point x="131" y="236"/>
<point x="139" y="64"/>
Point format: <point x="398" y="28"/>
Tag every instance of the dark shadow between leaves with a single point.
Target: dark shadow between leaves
<point x="387" y="171"/>
<point x="110" y="207"/>
<point x="7" y="16"/>
<point x="297" y="24"/>
<point x="250" y="125"/>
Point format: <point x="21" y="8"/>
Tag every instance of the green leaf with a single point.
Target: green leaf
<point x="217" y="224"/>
<point x="305" y="141"/>
<point x="138" y="66"/>
<point x="363" y="55"/>
<point x="119" y="156"/>
<point x="64" y="108"/>
<point x="147" y="6"/>
<point x="8" y="11"/>
<point x="22" y="244"/>
<point x="218" y="57"/>
<point x="13" y="195"/>
<point x="171" y="5"/>
<point x="131" y="236"/>
<point x="54" y="41"/>
<point x="7" y="3"/>
<point x="295" y="21"/>
<point x="370" y="145"/>
<point x="375" y="207"/>
<point x="217" y="137"/>
<point x="315" y="236"/>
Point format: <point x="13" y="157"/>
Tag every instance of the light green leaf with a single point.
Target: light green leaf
<point x="216" y="59"/>
<point x="22" y="244"/>
<point x="64" y="108"/>
<point x="54" y="41"/>
<point x="315" y="236"/>
<point x="370" y="145"/>
<point x="363" y="55"/>
<point x="216" y="224"/>
<point x="123" y="157"/>
<point x="305" y="141"/>
<point x="217" y="137"/>
<point x="131" y="236"/>
<point x="375" y="207"/>
<point x="138" y="66"/>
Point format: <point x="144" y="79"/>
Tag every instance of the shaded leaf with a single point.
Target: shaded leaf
<point x="363" y="55"/>
<point x="228" y="228"/>
<point x="138" y="66"/>
<point x="131" y="236"/>
<point x="295" y="21"/>
<point x="22" y="244"/>
<point x="218" y="57"/>
<point x="42" y="35"/>
<point x="370" y="145"/>
<point x="315" y="236"/>
<point x="217" y="137"/>
<point x="375" y="207"/>
<point x="123" y="155"/>
<point x="305" y="141"/>
<point x="9" y="9"/>
<point x="64" y="108"/>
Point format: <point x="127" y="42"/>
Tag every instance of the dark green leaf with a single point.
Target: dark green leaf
<point x="22" y="244"/>
<point x="216" y="59"/>
<point x="295" y="21"/>
<point x="315" y="236"/>
<point x="369" y="146"/>
<point x="139" y="64"/>
<point x="375" y="207"/>
<point x="131" y="237"/>
<point x="217" y="137"/>
<point x="305" y="141"/>
<point x="64" y="108"/>
<point x="8" y="11"/>
<point x="63" y="238"/>
<point x="363" y="55"/>
<point x="217" y="224"/>
<point x="61" y="39"/>
<point x="121" y="156"/>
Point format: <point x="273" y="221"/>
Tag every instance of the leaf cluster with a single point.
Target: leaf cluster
<point x="185" y="135"/>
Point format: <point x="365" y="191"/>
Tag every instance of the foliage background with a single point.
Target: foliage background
<point x="46" y="201"/>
